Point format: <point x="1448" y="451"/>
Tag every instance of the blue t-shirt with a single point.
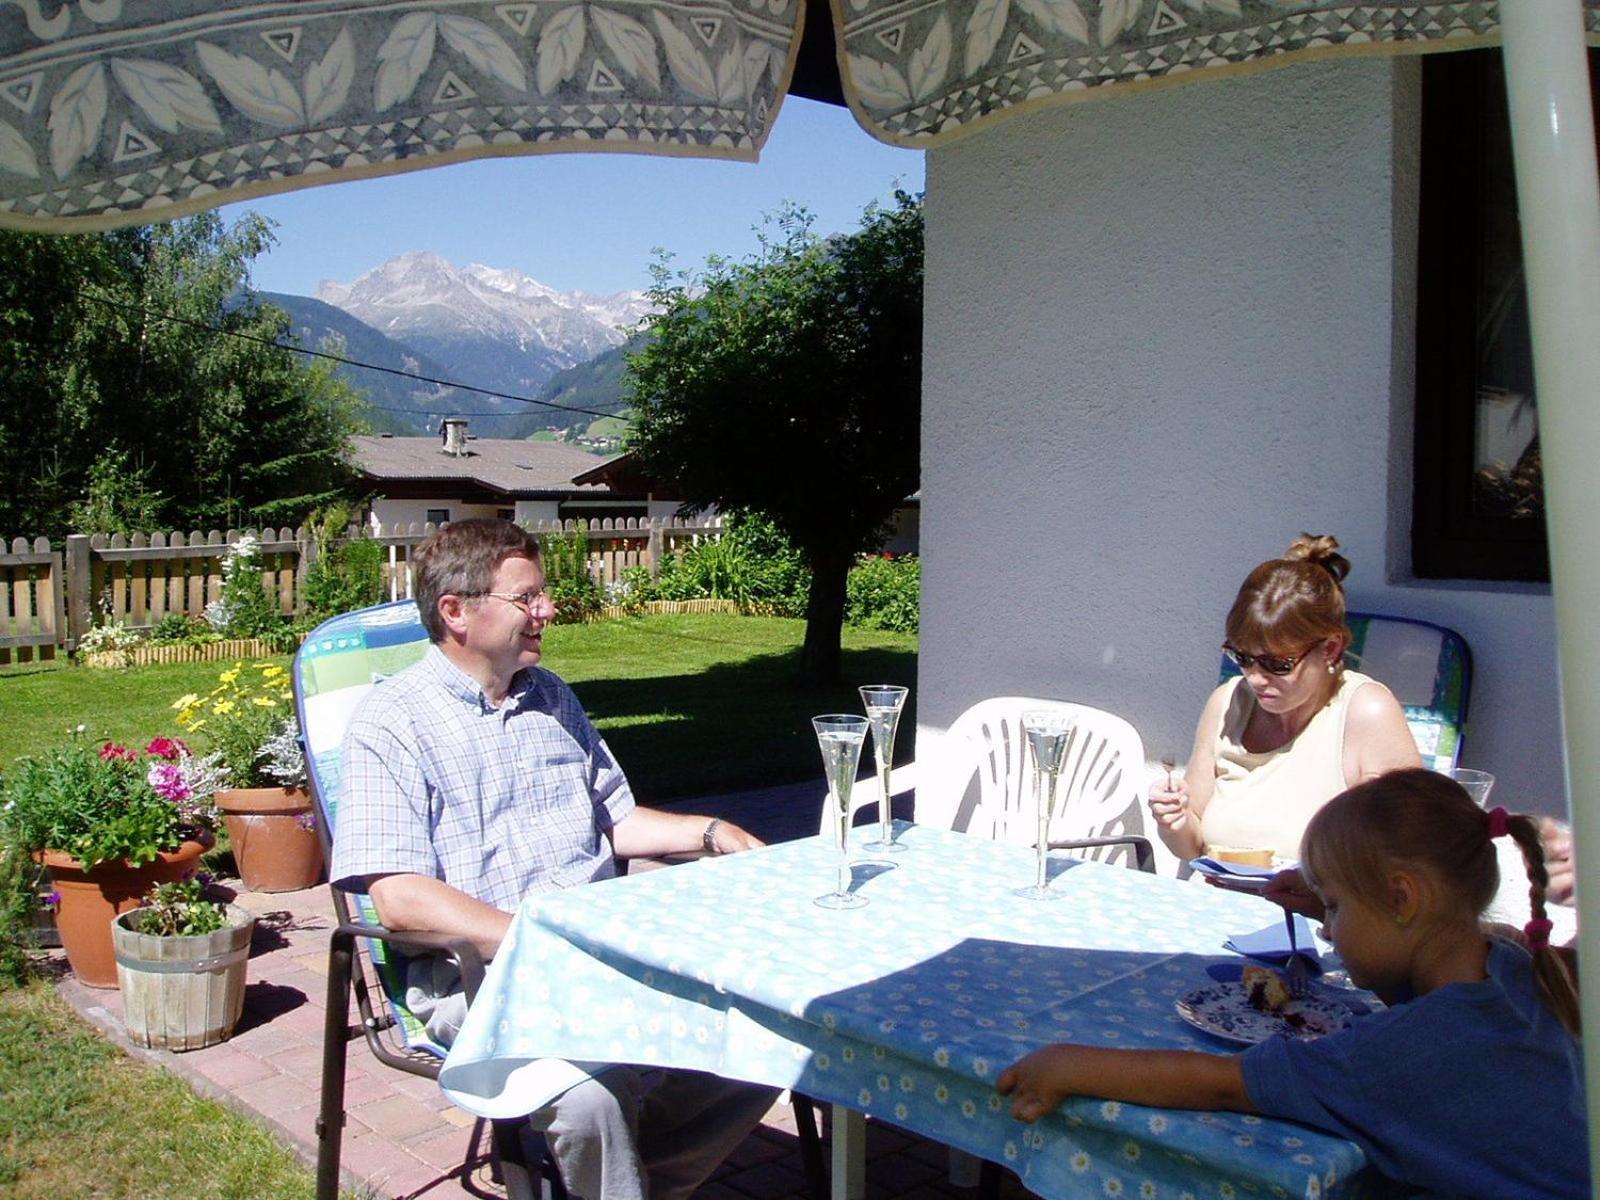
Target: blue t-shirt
<point x="1473" y="1090"/>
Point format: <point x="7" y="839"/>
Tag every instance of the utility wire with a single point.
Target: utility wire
<point x="349" y="362"/>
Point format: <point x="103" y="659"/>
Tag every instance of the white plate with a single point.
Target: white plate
<point x="1224" y="1009"/>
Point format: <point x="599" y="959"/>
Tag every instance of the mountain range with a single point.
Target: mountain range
<point x="490" y="327"/>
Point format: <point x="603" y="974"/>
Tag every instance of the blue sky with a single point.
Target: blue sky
<point x="583" y="221"/>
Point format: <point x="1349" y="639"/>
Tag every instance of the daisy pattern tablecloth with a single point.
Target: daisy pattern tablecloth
<point x="907" y="1009"/>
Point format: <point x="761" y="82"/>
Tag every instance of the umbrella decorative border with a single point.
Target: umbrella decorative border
<point x="113" y="113"/>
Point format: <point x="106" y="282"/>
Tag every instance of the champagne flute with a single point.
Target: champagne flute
<point x="839" y="736"/>
<point x="1047" y="734"/>
<point x="884" y="702"/>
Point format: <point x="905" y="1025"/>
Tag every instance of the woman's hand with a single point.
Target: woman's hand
<point x="1289" y="888"/>
<point x="1169" y="804"/>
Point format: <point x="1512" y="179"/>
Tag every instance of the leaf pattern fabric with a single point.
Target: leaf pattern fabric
<point x="113" y="113"/>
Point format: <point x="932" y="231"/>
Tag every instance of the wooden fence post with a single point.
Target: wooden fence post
<point x="80" y="589"/>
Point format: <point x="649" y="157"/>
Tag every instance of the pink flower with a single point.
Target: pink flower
<point x="114" y="752"/>
<point x="167" y="748"/>
<point x="168" y="782"/>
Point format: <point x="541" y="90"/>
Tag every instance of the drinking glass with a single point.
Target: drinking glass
<point x="839" y="735"/>
<point x="884" y="702"/>
<point x="1047" y="734"/>
<point x="1477" y="783"/>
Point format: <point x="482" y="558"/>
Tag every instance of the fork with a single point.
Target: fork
<point x="1297" y="968"/>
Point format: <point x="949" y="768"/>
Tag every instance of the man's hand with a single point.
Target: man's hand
<point x="730" y="838"/>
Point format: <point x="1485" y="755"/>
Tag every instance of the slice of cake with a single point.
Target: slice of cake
<point x="1265" y="990"/>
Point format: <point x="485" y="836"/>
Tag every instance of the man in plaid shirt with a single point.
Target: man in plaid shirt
<point x="474" y="779"/>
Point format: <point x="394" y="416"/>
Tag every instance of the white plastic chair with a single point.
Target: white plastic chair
<point x="981" y="782"/>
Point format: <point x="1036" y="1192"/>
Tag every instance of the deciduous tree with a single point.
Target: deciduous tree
<point x="790" y="383"/>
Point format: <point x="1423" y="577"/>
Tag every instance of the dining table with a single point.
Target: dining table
<point x="905" y="1010"/>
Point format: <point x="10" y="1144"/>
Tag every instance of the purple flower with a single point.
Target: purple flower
<point x="168" y="781"/>
<point x="53" y="900"/>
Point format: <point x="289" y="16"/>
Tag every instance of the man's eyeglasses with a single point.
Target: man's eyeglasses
<point x="523" y="600"/>
<point x="1272" y="664"/>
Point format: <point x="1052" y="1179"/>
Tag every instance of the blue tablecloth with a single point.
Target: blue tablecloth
<point x="907" y="1009"/>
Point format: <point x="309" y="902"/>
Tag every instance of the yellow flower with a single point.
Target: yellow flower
<point x="185" y="701"/>
<point x="230" y="675"/>
<point x="264" y="702"/>
<point x="223" y="707"/>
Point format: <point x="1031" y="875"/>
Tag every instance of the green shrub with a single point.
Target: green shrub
<point x="577" y="598"/>
<point x="347" y="573"/>
<point x="752" y="563"/>
<point x="883" y="592"/>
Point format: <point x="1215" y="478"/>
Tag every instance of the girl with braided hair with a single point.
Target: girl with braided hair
<point x="1470" y="1082"/>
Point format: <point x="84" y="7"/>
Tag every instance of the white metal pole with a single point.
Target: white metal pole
<point x="1552" y="129"/>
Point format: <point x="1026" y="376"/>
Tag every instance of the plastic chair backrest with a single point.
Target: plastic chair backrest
<point x="341" y="661"/>
<point x="1426" y="666"/>
<point x="1101" y="791"/>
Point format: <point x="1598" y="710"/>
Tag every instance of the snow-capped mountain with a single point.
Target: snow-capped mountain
<point x="490" y="326"/>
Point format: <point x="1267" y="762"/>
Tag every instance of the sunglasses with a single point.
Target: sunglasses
<point x="1272" y="664"/>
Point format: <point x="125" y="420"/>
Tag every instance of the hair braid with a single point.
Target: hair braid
<point x="1555" y="982"/>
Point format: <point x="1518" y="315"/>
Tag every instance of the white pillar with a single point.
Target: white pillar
<point x="1547" y="81"/>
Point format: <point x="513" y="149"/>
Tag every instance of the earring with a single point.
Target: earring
<point x="1332" y="670"/>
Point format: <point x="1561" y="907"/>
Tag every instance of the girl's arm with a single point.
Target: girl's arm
<point x="1160" y="1078"/>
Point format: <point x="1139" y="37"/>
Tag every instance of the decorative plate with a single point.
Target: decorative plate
<point x="1224" y="1010"/>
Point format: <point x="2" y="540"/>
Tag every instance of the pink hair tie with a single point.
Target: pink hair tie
<point x="1499" y="823"/>
<point x="1537" y="931"/>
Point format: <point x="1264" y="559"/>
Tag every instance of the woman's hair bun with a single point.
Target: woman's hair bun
<point x="1322" y="549"/>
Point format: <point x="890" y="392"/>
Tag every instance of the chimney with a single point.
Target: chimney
<point x="453" y="434"/>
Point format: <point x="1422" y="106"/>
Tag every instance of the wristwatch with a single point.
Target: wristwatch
<point x="708" y="839"/>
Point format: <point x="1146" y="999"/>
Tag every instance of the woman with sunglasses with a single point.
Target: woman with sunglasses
<point x="1295" y="728"/>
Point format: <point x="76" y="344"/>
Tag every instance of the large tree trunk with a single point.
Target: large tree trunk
<point x="819" y="657"/>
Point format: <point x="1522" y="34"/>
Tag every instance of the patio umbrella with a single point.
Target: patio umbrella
<point x="114" y="113"/>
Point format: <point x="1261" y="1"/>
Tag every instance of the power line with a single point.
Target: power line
<point x="349" y="362"/>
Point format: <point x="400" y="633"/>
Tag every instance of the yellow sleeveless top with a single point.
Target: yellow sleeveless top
<point x="1266" y="800"/>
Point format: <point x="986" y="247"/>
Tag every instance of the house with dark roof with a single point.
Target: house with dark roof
<point x="457" y="475"/>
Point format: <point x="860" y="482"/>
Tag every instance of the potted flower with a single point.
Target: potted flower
<point x="247" y="720"/>
<point x="181" y="960"/>
<point x="108" y="822"/>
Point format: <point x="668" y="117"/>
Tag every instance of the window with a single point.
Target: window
<point x="506" y="514"/>
<point x="438" y="516"/>
<point x="1478" y="506"/>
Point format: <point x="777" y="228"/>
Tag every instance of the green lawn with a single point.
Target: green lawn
<point x="691" y="705"/>
<point x="79" y="1118"/>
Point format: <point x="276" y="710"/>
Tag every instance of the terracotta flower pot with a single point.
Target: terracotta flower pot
<point x="274" y="838"/>
<point x="91" y="899"/>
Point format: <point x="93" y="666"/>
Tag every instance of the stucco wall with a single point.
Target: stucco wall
<point x="1164" y="333"/>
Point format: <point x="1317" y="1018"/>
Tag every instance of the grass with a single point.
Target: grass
<point x="691" y="705"/>
<point x="79" y="1118"/>
<point x="39" y="706"/>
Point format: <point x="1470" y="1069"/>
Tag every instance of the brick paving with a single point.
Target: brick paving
<point x="403" y="1139"/>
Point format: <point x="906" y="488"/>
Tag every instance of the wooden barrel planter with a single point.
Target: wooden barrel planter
<point x="273" y="833"/>
<point x="182" y="993"/>
<point x="90" y="898"/>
